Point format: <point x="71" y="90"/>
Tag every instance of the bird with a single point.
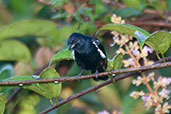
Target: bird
<point x="88" y="53"/>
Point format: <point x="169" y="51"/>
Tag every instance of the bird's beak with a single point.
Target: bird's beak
<point x="71" y="46"/>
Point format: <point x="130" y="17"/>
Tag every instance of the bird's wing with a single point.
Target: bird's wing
<point x="99" y="47"/>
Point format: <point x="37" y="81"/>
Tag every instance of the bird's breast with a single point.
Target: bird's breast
<point x="89" y="60"/>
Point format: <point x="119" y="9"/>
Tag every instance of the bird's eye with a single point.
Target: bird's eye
<point x="75" y="40"/>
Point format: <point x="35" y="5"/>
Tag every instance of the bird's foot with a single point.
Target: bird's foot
<point x="96" y="73"/>
<point x="79" y="75"/>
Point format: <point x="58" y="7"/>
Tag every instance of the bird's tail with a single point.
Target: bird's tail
<point x="98" y="71"/>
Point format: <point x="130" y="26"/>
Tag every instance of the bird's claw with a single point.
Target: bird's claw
<point x="97" y="74"/>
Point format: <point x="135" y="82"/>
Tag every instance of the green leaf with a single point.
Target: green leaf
<point x="127" y="12"/>
<point x="56" y="3"/>
<point x="137" y="4"/>
<point x="53" y="89"/>
<point x="168" y="3"/>
<point x="28" y="103"/>
<point x="18" y="78"/>
<point x="61" y="15"/>
<point x="6" y="71"/>
<point x="141" y="38"/>
<point x="115" y="62"/>
<point x="2" y="102"/>
<point x="128" y="29"/>
<point x="49" y="90"/>
<point x="159" y="41"/>
<point x="62" y="55"/>
<point x="34" y="27"/>
<point x="11" y="50"/>
<point x="36" y="88"/>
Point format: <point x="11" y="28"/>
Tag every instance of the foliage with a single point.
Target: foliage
<point x="31" y="31"/>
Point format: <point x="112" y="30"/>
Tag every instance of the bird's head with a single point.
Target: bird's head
<point x="75" y="40"/>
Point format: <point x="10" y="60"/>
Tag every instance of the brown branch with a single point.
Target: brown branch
<point x="13" y="95"/>
<point x="86" y="91"/>
<point x="150" y="23"/>
<point x="93" y="88"/>
<point x="118" y="71"/>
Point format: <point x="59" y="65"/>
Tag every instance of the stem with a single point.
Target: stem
<point x="138" y="64"/>
<point x="162" y="54"/>
<point x="67" y="78"/>
<point x="95" y="87"/>
<point x="158" y="57"/>
<point x="147" y="84"/>
<point x="132" y="56"/>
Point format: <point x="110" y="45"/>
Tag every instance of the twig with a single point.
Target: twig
<point x="13" y="94"/>
<point x="150" y="23"/>
<point x="87" y="91"/>
<point x="118" y="71"/>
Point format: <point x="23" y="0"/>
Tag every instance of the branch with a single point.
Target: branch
<point x="150" y="23"/>
<point x="118" y="71"/>
<point x="95" y="87"/>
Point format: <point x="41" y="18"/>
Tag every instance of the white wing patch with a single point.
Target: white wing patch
<point x="73" y="54"/>
<point x="100" y="51"/>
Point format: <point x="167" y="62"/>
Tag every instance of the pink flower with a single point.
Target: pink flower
<point x="103" y="112"/>
<point x="148" y="49"/>
<point x="164" y="93"/>
<point x="136" y="52"/>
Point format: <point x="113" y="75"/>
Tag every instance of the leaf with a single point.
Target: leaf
<point x="168" y="3"/>
<point x="27" y="104"/>
<point x="53" y="89"/>
<point x="115" y="62"/>
<point x="127" y="12"/>
<point x="62" y="55"/>
<point x="160" y="41"/>
<point x="11" y="50"/>
<point x="56" y="3"/>
<point x="127" y="29"/>
<point x="141" y="38"/>
<point x="49" y="90"/>
<point x="6" y="71"/>
<point x="137" y="4"/>
<point x="18" y="78"/>
<point x="34" y="27"/>
<point x="2" y="102"/>
<point x="36" y="88"/>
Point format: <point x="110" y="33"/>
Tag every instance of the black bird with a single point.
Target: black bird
<point x="88" y="53"/>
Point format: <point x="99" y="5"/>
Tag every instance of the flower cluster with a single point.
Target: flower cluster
<point x="158" y="93"/>
<point x="157" y="98"/>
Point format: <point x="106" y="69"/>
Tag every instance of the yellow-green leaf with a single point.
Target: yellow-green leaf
<point x="54" y="88"/>
<point x="34" y="27"/>
<point x="62" y="55"/>
<point x="11" y="50"/>
<point x="128" y="29"/>
<point x="160" y="41"/>
<point x="2" y="102"/>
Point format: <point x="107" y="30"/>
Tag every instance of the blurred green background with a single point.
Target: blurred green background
<point x="40" y="43"/>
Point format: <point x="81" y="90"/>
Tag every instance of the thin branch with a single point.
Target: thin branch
<point x="13" y="94"/>
<point x="118" y="71"/>
<point x="150" y="23"/>
<point x="95" y="87"/>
